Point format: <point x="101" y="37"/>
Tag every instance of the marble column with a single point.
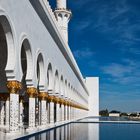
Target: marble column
<point x="72" y="110"/>
<point x="75" y="112"/>
<point x="7" y="109"/>
<point x="62" y="112"/>
<point x="66" y="112"/>
<point x="51" y="112"/>
<point x="43" y="110"/>
<point x="32" y="92"/>
<point x="74" y="115"/>
<point x="21" y="112"/>
<point x="58" y="113"/>
<point x="51" y="109"/>
<point x="14" y="87"/>
<point x="14" y="111"/>
<point x="2" y="112"/>
<point x="69" y="112"/>
<point x="48" y="111"/>
<point x="39" y="112"/>
<point x="31" y="112"/>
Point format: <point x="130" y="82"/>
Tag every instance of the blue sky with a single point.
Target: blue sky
<point x="104" y="36"/>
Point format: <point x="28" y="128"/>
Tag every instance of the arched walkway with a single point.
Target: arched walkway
<point x="27" y="68"/>
<point x="7" y="62"/>
<point x="50" y="78"/>
<point x="41" y="106"/>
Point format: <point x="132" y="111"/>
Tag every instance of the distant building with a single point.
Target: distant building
<point x="114" y="114"/>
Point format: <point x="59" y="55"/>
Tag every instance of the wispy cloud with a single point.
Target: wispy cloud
<point x="126" y="73"/>
<point x="82" y="3"/>
<point x="114" y="18"/>
<point x="83" y="53"/>
<point x="117" y="70"/>
<point x="132" y="50"/>
<point x="83" y="25"/>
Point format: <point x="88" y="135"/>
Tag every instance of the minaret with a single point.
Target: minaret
<point x="63" y="16"/>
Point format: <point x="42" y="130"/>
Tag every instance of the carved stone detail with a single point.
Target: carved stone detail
<point x="32" y="92"/>
<point x="14" y="86"/>
<point x="51" y="98"/>
<point x="43" y="95"/>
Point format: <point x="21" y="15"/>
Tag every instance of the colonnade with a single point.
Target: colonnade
<point x="44" y="109"/>
<point x="44" y="92"/>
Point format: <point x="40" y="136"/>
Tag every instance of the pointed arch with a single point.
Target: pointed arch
<point x="66" y="88"/>
<point x="62" y="85"/>
<point x="7" y="53"/>
<point x="56" y="83"/>
<point x="40" y="72"/>
<point x="50" y="77"/>
<point x="26" y="59"/>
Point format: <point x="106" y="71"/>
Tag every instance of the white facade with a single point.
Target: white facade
<point x="37" y="68"/>
<point x="114" y="114"/>
<point x="92" y="84"/>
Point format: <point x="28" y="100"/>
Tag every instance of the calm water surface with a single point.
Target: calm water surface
<point x="91" y="131"/>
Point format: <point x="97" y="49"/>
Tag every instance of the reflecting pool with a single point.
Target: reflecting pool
<point x="93" y="119"/>
<point x="91" y="131"/>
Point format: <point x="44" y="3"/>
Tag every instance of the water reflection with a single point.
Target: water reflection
<point x="74" y="131"/>
<point x="93" y="131"/>
<point x="90" y="129"/>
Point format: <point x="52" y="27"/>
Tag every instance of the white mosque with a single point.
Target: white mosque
<point x="40" y="82"/>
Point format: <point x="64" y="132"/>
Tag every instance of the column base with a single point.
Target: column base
<point x="43" y="126"/>
<point x="14" y="131"/>
<point x="58" y="122"/>
<point x="31" y="129"/>
<point x="51" y="124"/>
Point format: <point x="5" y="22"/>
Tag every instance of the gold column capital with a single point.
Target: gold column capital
<point x="32" y="92"/>
<point x="56" y="99"/>
<point x="65" y="102"/>
<point x="68" y="103"/>
<point x="62" y="101"/>
<point x="71" y="104"/>
<point x="43" y="95"/>
<point x="51" y="98"/>
<point x="14" y="86"/>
